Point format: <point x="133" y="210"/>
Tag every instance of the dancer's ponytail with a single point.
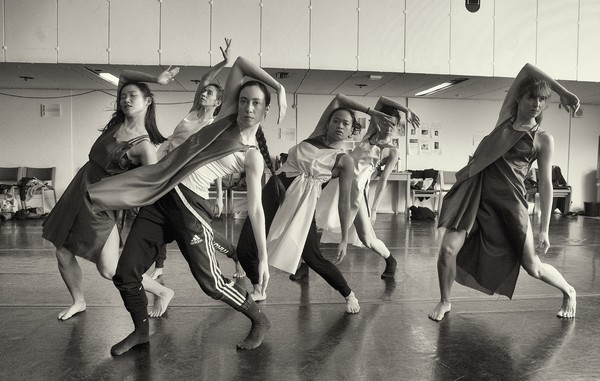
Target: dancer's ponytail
<point x="264" y="150"/>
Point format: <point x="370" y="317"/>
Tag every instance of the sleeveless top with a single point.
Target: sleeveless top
<point x="311" y="163"/>
<point x="200" y="180"/>
<point x="182" y="132"/>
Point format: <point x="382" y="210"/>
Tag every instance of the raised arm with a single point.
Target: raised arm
<point x="243" y="68"/>
<point x="341" y="100"/>
<point x="411" y="117"/>
<point x="137" y="76"/>
<point x="390" y="161"/>
<point x="569" y="100"/>
<point x="254" y="168"/>
<point x="211" y="74"/>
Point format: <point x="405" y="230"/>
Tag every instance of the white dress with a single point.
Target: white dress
<point x="366" y="157"/>
<point x="312" y="166"/>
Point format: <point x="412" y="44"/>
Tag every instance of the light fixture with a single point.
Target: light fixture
<point x="104" y="75"/>
<point x="440" y="87"/>
<point x="375" y="77"/>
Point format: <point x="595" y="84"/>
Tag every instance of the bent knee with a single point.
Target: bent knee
<point x="106" y="273"/>
<point x="448" y="252"/>
<point x="534" y="271"/>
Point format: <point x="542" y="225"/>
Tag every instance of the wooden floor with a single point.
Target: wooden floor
<point x="483" y="338"/>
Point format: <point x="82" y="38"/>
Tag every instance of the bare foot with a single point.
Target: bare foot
<point x="156" y="273"/>
<point x="440" y="310"/>
<point x="161" y="302"/>
<point x="129" y="342"/>
<point x="257" y="333"/>
<point x="352" y="306"/>
<point x="73" y="310"/>
<point x="257" y="296"/>
<point x="239" y="271"/>
<point x="569" y="305"/>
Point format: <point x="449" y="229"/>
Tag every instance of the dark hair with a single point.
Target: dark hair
<point x="356" y="126"/>
<point x="532" y="86"/>
<point x="219" y="89"/>
<point x="118" y="117"/>
<point x="262" y="141"/>
<point x="391" y="111"/>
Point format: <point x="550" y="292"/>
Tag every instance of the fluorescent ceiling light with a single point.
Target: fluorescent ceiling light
<point x="440" y="87"/>
<point x="110" y="78"/>
<point x="105" y="76"/>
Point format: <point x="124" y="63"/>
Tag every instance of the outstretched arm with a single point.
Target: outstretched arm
<point x="243" y="68"/>
<point x="208" y="77"/>
<point x="390" y="162"/>
<point x="341" y="100"/>
<point x="569" y="100"/>
<point x="254" y="171"/>
<point x="137" y="76"/>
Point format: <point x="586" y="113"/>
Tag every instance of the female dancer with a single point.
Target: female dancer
<point x="127" y="141"/>
<point x="370" y="154"/>
<point x="176" y="191"/>
<point x="291" y="226"/>
<point x="207" y="103"/>
<point x="487" y="227"/>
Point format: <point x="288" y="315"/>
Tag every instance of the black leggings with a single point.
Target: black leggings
<point x="176" y="216"/>
<point x="247" y="251"/>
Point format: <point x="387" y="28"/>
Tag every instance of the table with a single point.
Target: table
<point x="397" y="178"/>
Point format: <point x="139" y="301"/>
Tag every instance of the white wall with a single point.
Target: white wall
<point x="417" y="36"/>
<point x="31" y="140"/>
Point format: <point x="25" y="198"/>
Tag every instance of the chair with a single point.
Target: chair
<point x="9" y="178"/>
<point x="561" y="192"/>
<point x="45" y="175"/>
<point x="430" y="193"/>
<point x="447" y="180"/>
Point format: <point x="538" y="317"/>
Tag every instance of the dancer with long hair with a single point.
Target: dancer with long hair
<point x="175" y="191"/>
<point x="206" y="105"/>
<point x="127" y="141"/>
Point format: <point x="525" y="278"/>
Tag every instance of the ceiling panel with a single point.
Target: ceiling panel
<point x="302" y="81"/>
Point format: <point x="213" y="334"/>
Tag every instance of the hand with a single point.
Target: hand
<point x="543" y="243"/>
<point x="263" y="275"/>
<point x="382" y="121"/>
<point x="226" y="51"/>
<point x="413" y="119"/>
<point x="282" y="102"/>
<point x="570" y="102"/>
<point x="373" y="216"/>
<point x="341" y="252"/>
<point x="218" y="207"/>
<point x="167" y="76"/>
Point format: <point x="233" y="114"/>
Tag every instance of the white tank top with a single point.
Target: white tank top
<point x="201" y="179"/>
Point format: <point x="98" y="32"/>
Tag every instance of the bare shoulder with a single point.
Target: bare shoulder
<point x="253" y="157"/>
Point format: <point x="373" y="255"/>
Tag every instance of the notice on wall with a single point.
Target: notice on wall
<point x="287" y="134"/>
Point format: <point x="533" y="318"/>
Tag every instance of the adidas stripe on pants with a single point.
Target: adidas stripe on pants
<point x="182" y="216"/>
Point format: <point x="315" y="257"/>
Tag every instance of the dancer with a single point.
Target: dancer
<point x="175" y="191"/>
<point x="487" y="227"/>
<point x="373" y="152"/>
<point x="127" y="141"/>
<point x="292" y="232"/>
<point x="207" y="103"/>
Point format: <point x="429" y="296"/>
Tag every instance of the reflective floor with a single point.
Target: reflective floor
<point x="483" y="338"/>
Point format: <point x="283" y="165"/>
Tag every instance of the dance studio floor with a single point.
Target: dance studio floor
<point x="483" y="338"/>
